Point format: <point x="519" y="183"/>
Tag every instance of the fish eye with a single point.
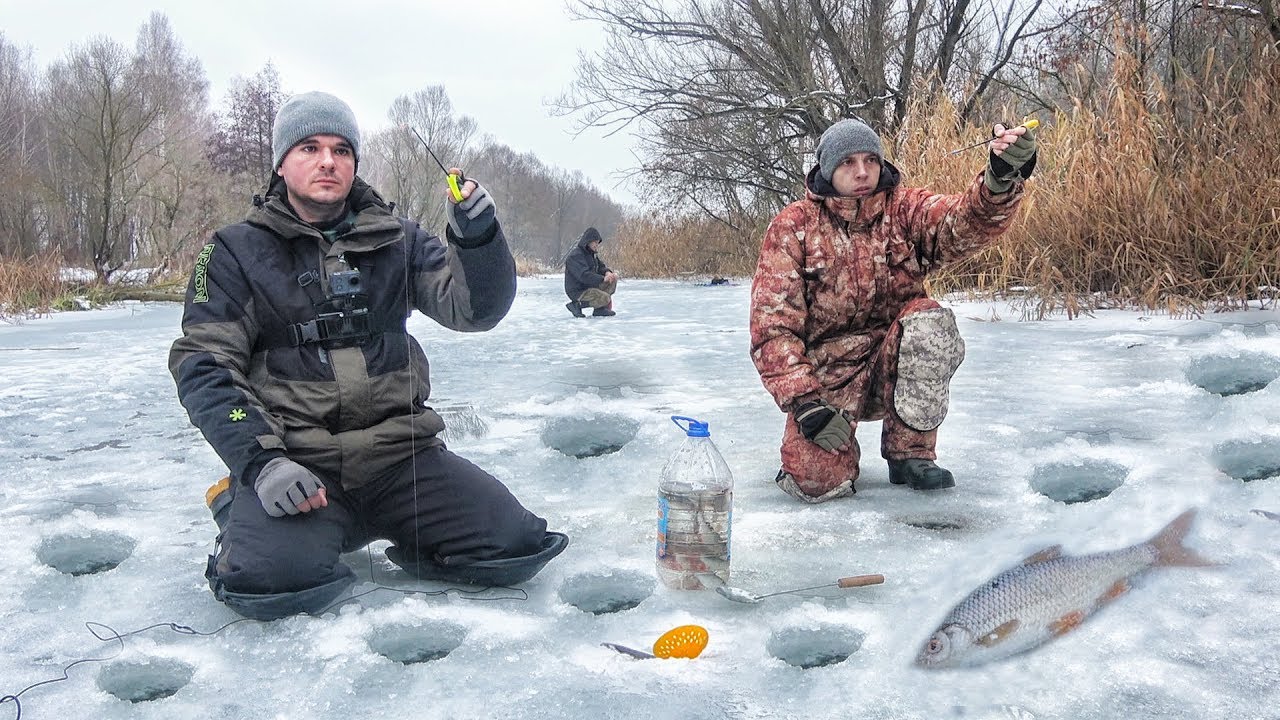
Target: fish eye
<point x="939" y="644"/>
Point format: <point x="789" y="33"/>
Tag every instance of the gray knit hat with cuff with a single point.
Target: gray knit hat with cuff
<point x="312" y="113"/>
<point x="843" y="139"/>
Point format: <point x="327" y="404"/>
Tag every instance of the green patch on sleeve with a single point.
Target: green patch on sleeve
<point x="202" y="274"/>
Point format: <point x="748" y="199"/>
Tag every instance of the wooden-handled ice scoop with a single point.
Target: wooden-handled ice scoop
<point x="744" y="596"/>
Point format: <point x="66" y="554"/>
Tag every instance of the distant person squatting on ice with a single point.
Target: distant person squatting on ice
<point x="588" y="282"/>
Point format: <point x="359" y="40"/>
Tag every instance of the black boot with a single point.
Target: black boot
<point x="603" y="312"/>
<point x="574" y="308"/>
<point x="920" y="474"/>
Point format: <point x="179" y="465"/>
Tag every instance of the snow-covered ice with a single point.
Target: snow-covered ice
<point x="1092" y="433"/>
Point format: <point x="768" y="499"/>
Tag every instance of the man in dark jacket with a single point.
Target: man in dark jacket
<point x="296" y="365"/>
<point x="587" y="281"/>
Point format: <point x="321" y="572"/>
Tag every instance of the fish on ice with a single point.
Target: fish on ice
<point x="1046" y="596"/>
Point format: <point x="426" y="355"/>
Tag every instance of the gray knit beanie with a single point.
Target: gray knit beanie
<point x="843" y="139"/>
<point x="307" y="114"/>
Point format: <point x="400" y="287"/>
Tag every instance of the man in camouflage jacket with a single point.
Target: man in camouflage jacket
<point x="296" y="365"/>
<point x="841" y="327"/>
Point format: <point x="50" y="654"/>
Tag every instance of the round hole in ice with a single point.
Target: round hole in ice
<point x="816" y="646"/>
<point x="1249" y="460"/>
<point x="603" y="592"/>
<point x="410" y="643"/>
<point x="1228" y="375"/>
<point x="87" y="554"/>
<point x="590" y="435"/>
<point x="1077" y="482"/>
<point x="142" y="679"/>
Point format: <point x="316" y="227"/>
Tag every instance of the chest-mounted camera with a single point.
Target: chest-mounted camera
<point x="346" y="283"/>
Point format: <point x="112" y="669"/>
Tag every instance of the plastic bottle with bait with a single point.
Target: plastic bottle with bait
<point x="695" y="512"/>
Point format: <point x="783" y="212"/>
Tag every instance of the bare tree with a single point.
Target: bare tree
<point x="241" y="146"/>
<point x="177" y="206"/>
<point x="100" y="122"/>
<point x="121" y="125"/>
<point x="544" y="209"/>
<point x="401" y="167"/>
<point x="22" y="217"/>
<point x="727" y="96"/>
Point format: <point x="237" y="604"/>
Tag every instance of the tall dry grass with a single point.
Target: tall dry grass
<point x="30" y="287"/>
<point x="527" y="266"/>
<point x="1131" y="208"/>
<point x="657" y="245"/>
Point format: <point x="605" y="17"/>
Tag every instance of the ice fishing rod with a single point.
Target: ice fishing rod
<point x="454" y="189"/>
<point x="1030" y="124"/>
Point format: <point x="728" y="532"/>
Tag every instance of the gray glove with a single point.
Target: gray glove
<point x="823" y="425"/>
<point x="283" y="484"/>
<point x="1015" y="163"/>
<point x="473" y="217"/>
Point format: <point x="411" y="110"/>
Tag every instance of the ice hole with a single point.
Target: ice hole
<point x="85" y="554"/>
<point x="818" y="646"/>
<point x="603" y="592"/>
<point x="589" y="436"/>
<point x="1249" y="460"/>
<point x="410" y="643"/>
<point x="1078" y="482"/>
<point x="1228" y="375"/>
<point x="140" y="680"/>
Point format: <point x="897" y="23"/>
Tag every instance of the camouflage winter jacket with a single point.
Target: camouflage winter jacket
<point x="834" y="273"/>
<point x="255" y="381"/>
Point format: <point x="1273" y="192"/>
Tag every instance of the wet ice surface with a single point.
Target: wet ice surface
<point x="1091" y="433"/>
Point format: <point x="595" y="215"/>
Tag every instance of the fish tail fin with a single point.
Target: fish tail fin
<point x="1169" y="548"/>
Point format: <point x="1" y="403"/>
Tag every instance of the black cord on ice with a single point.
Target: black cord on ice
<point x="106" y="633"/>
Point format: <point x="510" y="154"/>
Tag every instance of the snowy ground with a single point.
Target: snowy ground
<point x="100" y="471"/>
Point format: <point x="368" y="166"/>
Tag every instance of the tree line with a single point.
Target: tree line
<point x="1156" y="181"/>
<point x="113" y="157"/>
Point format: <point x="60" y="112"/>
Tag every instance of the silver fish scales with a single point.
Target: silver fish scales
<point x="1046" y="596"/>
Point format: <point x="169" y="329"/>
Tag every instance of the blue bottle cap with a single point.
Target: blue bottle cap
<point x="695" y="428"/>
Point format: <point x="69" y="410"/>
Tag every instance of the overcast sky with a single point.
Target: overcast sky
<point x="499" y="60"/>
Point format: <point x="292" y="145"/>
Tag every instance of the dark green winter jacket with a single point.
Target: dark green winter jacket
<point x="257" y="390"/>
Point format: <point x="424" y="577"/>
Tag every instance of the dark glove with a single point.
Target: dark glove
<point x="472" y="218"/>
<point x="282" y="486"/>
<point x="1015" y="163"/>
<point x="823" y="425"/>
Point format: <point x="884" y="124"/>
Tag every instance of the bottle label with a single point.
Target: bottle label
<point x="664" y="508"/>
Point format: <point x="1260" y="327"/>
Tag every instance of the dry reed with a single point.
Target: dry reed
<point x="30" y="287"/>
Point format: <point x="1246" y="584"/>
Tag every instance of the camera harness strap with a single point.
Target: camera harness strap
<point x="341" y="320"/>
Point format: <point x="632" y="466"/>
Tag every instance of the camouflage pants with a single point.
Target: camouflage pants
<point x="599" y="297"/>
<point x="817" y="472"/>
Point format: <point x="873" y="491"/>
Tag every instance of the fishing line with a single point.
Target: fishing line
<point x="409" y="401"/>
<point x="106" y="633"/>
<point x="110" y="634"/>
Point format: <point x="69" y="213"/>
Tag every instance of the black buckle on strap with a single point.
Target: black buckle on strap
<point x="334" y="329"/>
